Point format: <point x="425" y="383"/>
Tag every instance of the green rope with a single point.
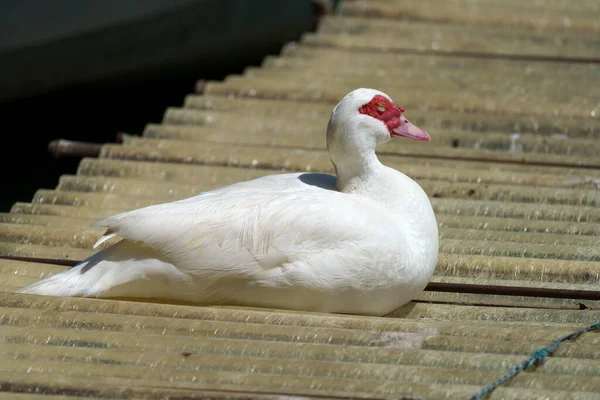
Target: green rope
<point x="537" y="358"/>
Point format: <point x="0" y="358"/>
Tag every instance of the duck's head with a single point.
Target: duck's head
<point x="366" y="118"/>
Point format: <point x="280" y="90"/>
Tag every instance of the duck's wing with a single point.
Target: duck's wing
<point x="244" y="230"/>
<point x="274" y="231"/>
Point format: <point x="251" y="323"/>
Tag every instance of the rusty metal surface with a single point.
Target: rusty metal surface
<point x="508" y="94"/>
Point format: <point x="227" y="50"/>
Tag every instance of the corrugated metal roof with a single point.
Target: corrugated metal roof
<point x="508" y="94"/>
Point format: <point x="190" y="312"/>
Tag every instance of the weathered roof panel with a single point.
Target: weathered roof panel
<point x="506" y="92"/>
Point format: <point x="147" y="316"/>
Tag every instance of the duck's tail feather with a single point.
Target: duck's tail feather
<point x="125" y="269"/>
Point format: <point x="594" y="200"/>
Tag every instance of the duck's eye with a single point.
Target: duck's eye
<point x="381" y="107"/>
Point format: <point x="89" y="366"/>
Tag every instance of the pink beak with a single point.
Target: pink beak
<point x="406" y="129"/>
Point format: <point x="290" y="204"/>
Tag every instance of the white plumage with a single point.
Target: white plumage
<point x="364" y="243"/>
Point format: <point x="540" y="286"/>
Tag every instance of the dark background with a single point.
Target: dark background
<point x="108" y="72"/>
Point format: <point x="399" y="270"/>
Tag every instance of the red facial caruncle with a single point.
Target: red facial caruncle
<point x="381" y="108"/>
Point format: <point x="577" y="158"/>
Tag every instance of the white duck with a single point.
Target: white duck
<point x="364" y="243"/>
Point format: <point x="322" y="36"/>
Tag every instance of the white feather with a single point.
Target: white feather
<point x="107" y="236"/>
